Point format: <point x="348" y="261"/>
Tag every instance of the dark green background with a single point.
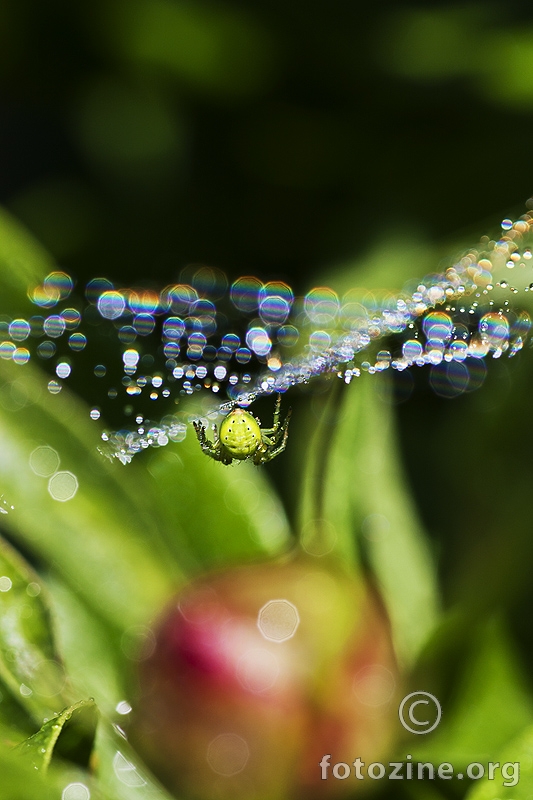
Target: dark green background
<point x="266" y="137"/>
<point x="283" y="139"/>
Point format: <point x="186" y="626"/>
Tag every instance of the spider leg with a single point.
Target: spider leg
<point x="260" y="455"/>
<point x="277" y="412"/>
<point x="282" y="432"/>
<point x="199" y="429"/>
<point x="211" y="449"/>
<point x="268" y="453"/>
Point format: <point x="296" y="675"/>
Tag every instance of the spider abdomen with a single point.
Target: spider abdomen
<point x="240" y="434"/>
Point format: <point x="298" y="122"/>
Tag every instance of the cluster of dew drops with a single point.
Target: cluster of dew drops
<point x="234" y="343"/>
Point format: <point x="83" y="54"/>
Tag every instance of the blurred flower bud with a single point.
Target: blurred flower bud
<point x="257" y="673"/>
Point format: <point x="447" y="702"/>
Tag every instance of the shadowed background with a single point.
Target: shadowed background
<point x="283" y="139"/>
<point x="270" y="137"/>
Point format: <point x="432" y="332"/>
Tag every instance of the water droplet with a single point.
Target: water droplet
<point x="44" y="461"/>
<point x="54" y="387"/>
<point x="123" y="707"/>
<point x="245" y="293"/>
<point x="111" y="305"/>
<point x="63" y="486"/>
<point x="127" y="772"/>
<point x="258" y="341"/>
<point x="76" y="791"/>
<point x="48" y="678"/>
<point x="194" y="340"/>
<point x="6" y="350"/>
<point x="138" y="642"/>
<point x="318" y="537"/>
<point x="19" y="330"/>
<point x="54" y="326"/>
<point x="278" y="620"/>
<point x="63" y="369"/>
<point x="228" y="754"/>
<point x="72" y="319"/>
<point x="77" y="342"/>
<point x="46" y="349"/>
<point x="21" y="355"/>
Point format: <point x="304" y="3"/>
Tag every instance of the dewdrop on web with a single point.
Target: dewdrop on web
<point x="228" y="344"/>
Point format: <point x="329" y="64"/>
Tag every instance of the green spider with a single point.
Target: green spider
<point x="242" y="437"/>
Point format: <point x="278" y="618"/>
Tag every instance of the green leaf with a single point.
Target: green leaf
<point x="109" y="525"/>
<point x="390" y="532"/>
<point x="491" y="700"/>
<point x="104" y="540"/>
<point x="416" y="790"/>
<point x="23" y="262"/>
<point x="91" y="651"/>
<point x="513" y="778"/>
<point x="29" y="663"/>
<point x="120" y="772"/>
<point x="325" y="514"/>
<point x="210" y="47"/>
<point x="16" y="722"/>
<point x="20" y="781"/>
<point x="216" y="514"/>
<point x="394" y="258"/>
<point x="355" y="498"/>
<point x="78" y="720"/>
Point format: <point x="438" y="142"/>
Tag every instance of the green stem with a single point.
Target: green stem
<point x="313" y="510"/>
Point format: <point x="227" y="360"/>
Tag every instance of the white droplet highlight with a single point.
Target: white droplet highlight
<point x="44" y="461"/>
<point x="63" y="486"/>
<point x="76" y="791"/>
<point x="127" y="772"/>
<point x="278" y="620"/>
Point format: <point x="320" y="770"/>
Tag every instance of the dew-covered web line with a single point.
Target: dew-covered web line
<point x="233" y="344"/>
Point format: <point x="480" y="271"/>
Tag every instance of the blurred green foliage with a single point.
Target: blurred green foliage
<point x="305" y="142"/>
